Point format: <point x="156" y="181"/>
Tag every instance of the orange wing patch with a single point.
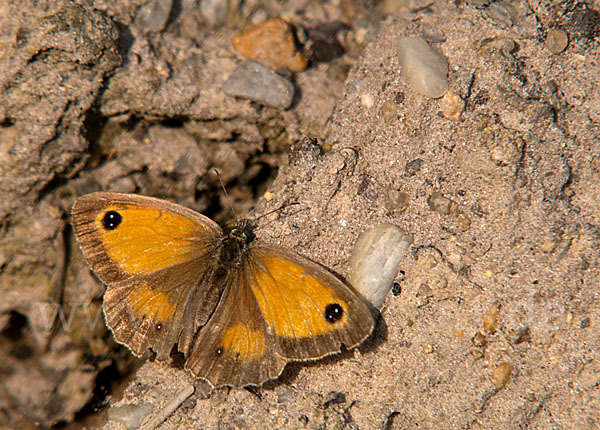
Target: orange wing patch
<point x="147" y="239"/>
<point x="151" y="304"/>
<point x="292" y="302"/>
<point x="242" y="342"/>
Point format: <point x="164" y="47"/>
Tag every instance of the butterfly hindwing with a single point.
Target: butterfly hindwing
<point x="234" y="347"/>
<point x="280" y="307"/>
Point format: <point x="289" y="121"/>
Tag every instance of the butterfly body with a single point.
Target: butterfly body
<point x="238" y="310"/>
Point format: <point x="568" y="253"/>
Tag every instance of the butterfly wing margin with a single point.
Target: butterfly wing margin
<point x="151" y="262"/>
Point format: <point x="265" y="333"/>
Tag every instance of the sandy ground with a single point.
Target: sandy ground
<point x="494" y="322"/>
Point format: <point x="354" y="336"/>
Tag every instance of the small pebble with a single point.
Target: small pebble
<point x="505" y="152"/>
<point x="271" y="43"/>
<point x="505" y="148"/>
<point x="490" y="319"/>
<point x="367" y="100"/>
<point x="548" y="246"/>
<point x="389" y="111"/>
<point x="585" y="323"/>
<point x="433" y="34"/>
<point x="424" y="69"/>
<point x="285" y="395"/>
<point x="268" y="196"/>
<point x="501" y="13"/>
<point x="521" y="335"/>
<point x="396" y="201"/>
<point x="479" y="340"/>
<point x="477" y="353"/>
<point x="504" y="45"/>
<point x="569" y="318"/>
<point x="412" y="167"/>
<point x="214" y="11"/>
<point x="424" y="290"/>
<point x="360" y="35"/>
<point x="556" y="41"/>
<point x="464" y="222"/>
<point x="374" y="261"/>
<point x="334" y="398"/>
<point x="130" y="415"/>
<point x="452" y="106"/>
<point x="387" y="7"/>
<point x="438" y="282"/>
<point x="442" y="205"/>
<point x="423" y="295"/>
<point x="153" y="16"/>
<point x="428" y="349"/>
<point x="501" y="375"/>
<point x="258" y="83"/>
<point x="455" y="259"/>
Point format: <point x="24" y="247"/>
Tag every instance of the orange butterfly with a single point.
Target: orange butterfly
<point x="237" y="309"/>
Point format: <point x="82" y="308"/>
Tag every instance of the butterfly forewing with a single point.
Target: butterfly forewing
<point x="153" y="257"/>
<point x="309" y="312"/>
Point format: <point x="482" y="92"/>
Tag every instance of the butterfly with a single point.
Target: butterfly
<point x="239" y="310"/>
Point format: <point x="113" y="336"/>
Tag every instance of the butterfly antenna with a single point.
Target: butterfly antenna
<point x="282" y="206"/>
<point x="226" y="195"/>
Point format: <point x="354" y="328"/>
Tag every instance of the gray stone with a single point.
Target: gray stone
<point x="214" y="11"/>
<point x="153" y="16"/>
<point x="260" y="84"/>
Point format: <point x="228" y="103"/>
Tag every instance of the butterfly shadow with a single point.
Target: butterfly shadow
<point x="292" y="369"/>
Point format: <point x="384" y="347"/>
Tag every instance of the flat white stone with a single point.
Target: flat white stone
<point x="424" y="69"/>
<point x="374" y="261"/>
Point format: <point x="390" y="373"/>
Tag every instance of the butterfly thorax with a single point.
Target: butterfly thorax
<point x="234" y="247"/>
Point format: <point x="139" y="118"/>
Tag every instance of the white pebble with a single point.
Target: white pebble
<point x="367" y="100"/>
<point x="130" y="415"/>
<point x="374" y="261"/>
<point x="423" y="68"/>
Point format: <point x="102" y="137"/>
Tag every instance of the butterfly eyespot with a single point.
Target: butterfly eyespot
<point x="159" y="327"/>
<point x="333" y="312"/>
<point x="219" y="351"/>
<point x="111" y="220"/>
